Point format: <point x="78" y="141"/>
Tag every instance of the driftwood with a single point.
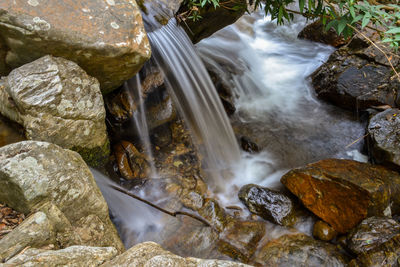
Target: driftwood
<point x="173" y="214"/>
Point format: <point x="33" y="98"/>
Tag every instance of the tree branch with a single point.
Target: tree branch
<point x="173" y="214"/>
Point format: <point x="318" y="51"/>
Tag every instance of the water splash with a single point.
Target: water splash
<point x="267" y="68"/>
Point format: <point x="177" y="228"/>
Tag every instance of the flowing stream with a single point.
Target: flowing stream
<point x="266" y="67"/>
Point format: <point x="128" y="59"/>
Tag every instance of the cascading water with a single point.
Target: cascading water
<point x="267" y="69"/>
<point x="196" y="98"/>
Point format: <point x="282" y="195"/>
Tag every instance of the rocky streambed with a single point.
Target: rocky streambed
<point x="58" y="120"/>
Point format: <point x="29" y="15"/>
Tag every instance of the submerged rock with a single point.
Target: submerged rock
<point x="371" y="233"/>
<point x="384" y="131"/>
<point x="344" y="192"/>
<point x="299" y="250"/>
<point x="240" y="239"/>
<point x="71" y="256"/>
<point x="57" y="102"/>
<point x="152" y="254"/>
<point x="106" y="38"/>
<point x="36" y="173"/>
<point x="131" y="163"/>
<point x="269" y="204"/>
<point x="324" y="231"/>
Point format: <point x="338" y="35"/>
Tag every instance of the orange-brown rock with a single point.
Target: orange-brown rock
<point x="323" y="231"/>
<point x="344" y="192"/>
<point x="105" y="37"/>
<point x="131" y="163"/>
<point x="240" y="239"/>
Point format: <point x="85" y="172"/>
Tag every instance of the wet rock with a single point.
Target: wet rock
<point x="212" y="19"/>
<point x="71" y="256"/>
<point x="106" y="38"/>
<point x="224" y="91"/>
<point x="56" y="101"/>
<point x="316" y="32"/>
<point x="152" y="254"/>
<point x="384" y="131"/>
<point x="131" y="163"/>
<point x="248" y="145"/>
<point x="356" y="78"/>
<point x="269" y="204"/>
<point x="35" y="173"/>
<point x="299" y="250"/>
<point x="214" y="214"/>
<point x="240" y="239"/>
<point x="371" y="233"/>
<point x="158" y="12"/>
<point x="121" y="105"/>
<point x="386" y="254"/>
<point x="35" y="231"/>
<point x="344" y="192"/>
<point x="160" y="113"/>
<point x="324" y="231"/>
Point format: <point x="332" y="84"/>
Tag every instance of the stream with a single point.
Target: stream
<point x="267" y="68"/>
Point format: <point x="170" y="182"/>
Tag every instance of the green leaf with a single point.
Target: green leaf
<point x="301" y="5"/>
<point x="331" y="24"/>
<point x="280" y="14"/>
<point x="394" y="30"/>
<point x="341" y="26"/>
<point x="365" y="21"/>
<point x="352" y="12"/>
<point x="359" y="17"/>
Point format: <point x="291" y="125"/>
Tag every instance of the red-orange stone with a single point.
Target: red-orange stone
<point x="344" y="192"/>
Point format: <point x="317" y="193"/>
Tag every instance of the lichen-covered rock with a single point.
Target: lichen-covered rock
<point x="323" y="231"/>
<point x="344" y="192"/>
<point x="152" y="254"/>
<point x="386" y="254"/>
<point x="106" y="38"/>
<point x="299" y="250"/>
<point x="37" y="172"/>
<point x="269" y="204"/>
<point x="357" y="77"/>
<point x="74" y="256"/>
<point x="212" y="19"/>
<point x="36" y="231"/>
<point x="371" y="233"/>
<point x="57" y="102"/>
<point x="384" y="131"/>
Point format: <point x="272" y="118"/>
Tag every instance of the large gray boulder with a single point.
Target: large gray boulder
<point x="57" y="102"/>
<point x="150" y="254"/>
<point x="35" y="173"/>
<point x="72" y="256"/>
<point x="106" y="38"/>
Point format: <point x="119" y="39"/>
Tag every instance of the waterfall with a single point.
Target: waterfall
<point x="196" y="98"/>
<point x="139" y="118"/>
